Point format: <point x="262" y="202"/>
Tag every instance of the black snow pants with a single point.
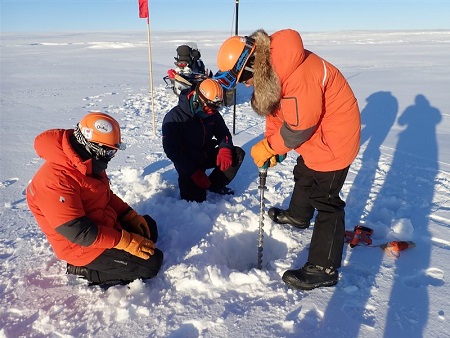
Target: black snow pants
<point x="115" y="266"/>
<point x="191" y="192"/>
<point x="319" y="191"/>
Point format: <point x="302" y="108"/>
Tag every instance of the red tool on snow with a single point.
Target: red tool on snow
<point x="395" y="247"/>
<point x="360" y="234"/>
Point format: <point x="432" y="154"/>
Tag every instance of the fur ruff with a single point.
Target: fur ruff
<point x="267" y="88"/>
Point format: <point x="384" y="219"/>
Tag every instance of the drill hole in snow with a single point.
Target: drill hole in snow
<point x="240" y="252"/>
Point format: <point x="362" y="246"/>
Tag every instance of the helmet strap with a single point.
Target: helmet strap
<point x="197" y="107"/>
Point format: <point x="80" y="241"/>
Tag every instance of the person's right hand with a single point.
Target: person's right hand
<point x="201" y="179"/>
<point x="136" y="223"/>
<point x="224" y="159"/>
<point x="261" y="152"/>
<point x="136" y="245"/>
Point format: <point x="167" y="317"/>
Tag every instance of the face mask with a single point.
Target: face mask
<point x="199" y="110"/>
<point x="99" y="165"/>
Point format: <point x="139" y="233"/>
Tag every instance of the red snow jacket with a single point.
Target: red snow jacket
<point x="308" y="104"/>
<point x="76" y="211"/>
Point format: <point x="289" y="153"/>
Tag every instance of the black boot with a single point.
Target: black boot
<point x="310" y="277"/>
<point x="282" y="217"/>
<point x="78" y="270"/>
<point x="93" y="276"/>
<point x="221" y="190"/>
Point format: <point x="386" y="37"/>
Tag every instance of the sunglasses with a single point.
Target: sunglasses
<point x="216" y="104"/>
<point x="210" y="109"/>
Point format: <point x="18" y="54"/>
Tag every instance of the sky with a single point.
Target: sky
<point x="306" y="16"/>
<point x="208" y="285"/>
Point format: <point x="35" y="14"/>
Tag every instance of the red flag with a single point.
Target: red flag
<point x="143" y="8"/>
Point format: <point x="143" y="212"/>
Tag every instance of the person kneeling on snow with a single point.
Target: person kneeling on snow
<point x="196" y="138"/>
<point x="99" y="235"/>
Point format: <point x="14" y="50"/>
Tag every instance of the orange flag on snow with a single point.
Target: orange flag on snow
<point x="143" y="8"/>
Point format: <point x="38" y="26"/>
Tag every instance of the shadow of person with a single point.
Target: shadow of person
<point x="418" y="140"/>
<point x="377" y="119"/>
<point x="401" y="208"/>
<point x="414" y="169"/>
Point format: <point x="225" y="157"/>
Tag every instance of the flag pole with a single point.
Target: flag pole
<point x="144" y="13"/>
<point x="151" y="73"/>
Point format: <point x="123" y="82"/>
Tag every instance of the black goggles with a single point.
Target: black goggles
<point x="101" y="151"/>
<point x="109" y="153"/>
<point x="213" y="104"/>
<point x="229" y="78"/>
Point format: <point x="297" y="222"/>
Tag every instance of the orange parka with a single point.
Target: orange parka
<point x="76" y="211"/>
<point x="308" y="104"/>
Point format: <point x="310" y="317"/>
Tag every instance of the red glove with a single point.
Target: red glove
<point x="201" y="179"/>
<point x="224" y="158"/>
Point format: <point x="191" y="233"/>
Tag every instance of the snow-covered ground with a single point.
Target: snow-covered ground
<point x="399" y="185"/>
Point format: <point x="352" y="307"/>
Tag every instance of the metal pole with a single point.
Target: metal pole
<point x="262" y="186"/>
<point x="234" y="89"/>
<point x="237" y="17"/>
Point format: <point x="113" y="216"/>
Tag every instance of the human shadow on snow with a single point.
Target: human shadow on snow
<point x="406" y="193"/>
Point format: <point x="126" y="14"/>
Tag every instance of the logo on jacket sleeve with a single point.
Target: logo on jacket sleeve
<point x="62" y="199"/>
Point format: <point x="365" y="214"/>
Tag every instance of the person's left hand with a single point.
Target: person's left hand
<point x="135" y="223"/>
<point x="224" y="158"/>
<point x="136" y="245"/>
<point x="261" y="152"/>
<point x="275" y="159"/>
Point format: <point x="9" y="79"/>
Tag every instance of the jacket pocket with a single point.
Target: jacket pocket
<point x="325" y="146"/>
<point x="289" y="110"/>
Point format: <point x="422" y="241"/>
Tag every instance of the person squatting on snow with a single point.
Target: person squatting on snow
<point x="195" y="138"/>
<point x="309" y="107"/>
<point x="99" y="235"/>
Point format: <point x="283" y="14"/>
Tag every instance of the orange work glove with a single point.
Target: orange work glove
<point x="274" y="160"/>
<point x="136" y="245"/>
<point x="261" y="152"/>
<point x="136" y="223"/>
<point x="224" y="158"/>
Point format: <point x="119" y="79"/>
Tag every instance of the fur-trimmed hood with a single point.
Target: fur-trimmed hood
<point x="276" y="57"/>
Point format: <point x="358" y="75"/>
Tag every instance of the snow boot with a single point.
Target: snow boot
<point x="222" y="190"/>
<point x="310" y="276"/>
<point x="81" y="271"/>
<point x="282" y="217"/>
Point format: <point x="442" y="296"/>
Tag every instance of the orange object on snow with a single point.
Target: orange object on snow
<point x="395" y="247"/>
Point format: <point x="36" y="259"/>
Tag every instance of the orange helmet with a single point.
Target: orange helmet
<point x="210" y="93"/>
<point x="99" y="133"/>
<point x="102" y="129"/>
<point x="234" y="54"/>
